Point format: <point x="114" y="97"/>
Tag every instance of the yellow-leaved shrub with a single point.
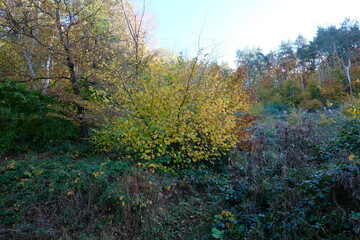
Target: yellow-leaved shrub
<point x="351" y="108"/>
<point x="177" y="113"/>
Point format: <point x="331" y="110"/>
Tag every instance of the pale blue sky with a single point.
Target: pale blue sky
<point x="227" y="25"/>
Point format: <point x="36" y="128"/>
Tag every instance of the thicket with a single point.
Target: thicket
<point x="30" y="120"/>
<point x="180" y="114"/>
<point x="298" y="181"/>
<point x="297" y="177"/>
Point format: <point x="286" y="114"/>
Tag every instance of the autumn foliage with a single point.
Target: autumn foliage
<point x="177" y="113"/>
<point x="103" y="138"/>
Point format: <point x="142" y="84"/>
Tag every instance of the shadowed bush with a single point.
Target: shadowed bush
<point x="28" y="122"/>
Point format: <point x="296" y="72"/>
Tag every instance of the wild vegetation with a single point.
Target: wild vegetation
<point x="103" y="138"/>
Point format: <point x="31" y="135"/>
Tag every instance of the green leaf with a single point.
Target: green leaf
<point x="217" y="233"/>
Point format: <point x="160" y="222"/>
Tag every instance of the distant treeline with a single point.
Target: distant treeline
<point x="327" y="68"/>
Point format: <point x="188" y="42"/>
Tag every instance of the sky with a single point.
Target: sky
<point x="220" y="27"/>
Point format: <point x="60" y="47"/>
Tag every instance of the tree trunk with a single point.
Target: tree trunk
<point x="48" y="65"/>
<point x="64" y="38"/>
<point x="347" y="71"/>
<point x="47" y="79"/>
<point x="301" y="80"/>
<point x="321" y="74"/>
<point x="28" y="58"/>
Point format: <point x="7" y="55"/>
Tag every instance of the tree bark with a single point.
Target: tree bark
<point x="84" y="126"/>
<point x="47" y="79"/>
<point x="347" y="71"/>
<point x="28" y="58"/>
<point x="301" y="79"/>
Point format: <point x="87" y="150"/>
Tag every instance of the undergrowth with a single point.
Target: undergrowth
<point x="296" y="178"/>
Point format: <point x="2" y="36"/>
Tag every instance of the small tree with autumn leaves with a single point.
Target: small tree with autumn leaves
<point x="178" y="113"/>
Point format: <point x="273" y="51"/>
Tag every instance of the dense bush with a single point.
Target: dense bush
<point x="349" y="137"/>
<point x="180" y="114"/>
<point x="275" y="109"/>
<point x="27" y="121"/>
<point x="55" y="197"/>
<point x="351" y="108"/>
<point x="297" y="182"/>
<point x="312" y="105"/>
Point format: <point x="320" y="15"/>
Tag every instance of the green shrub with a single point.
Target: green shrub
<point x="351" y="108"/>
<point x="27" y="121"/>
<point x="291" y="93"/>
<point x="276" y="109"/>
<point x="296" y="183"/>
<point x="56" y="197"/>
<point x="298" y="204"/>
<point x="314" y="89"/>
<point x="349" y="136"/>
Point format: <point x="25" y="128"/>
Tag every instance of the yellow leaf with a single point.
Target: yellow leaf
<point x="70" y="193"/>
<point x="23" y="181"/>
<point x="11" y="166"/>
<point x="351" y="157"/>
